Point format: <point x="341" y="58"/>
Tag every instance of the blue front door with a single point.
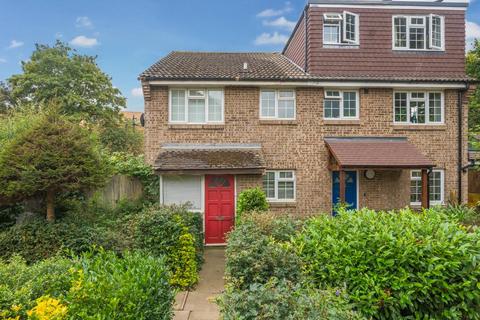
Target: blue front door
<point x="350" y="186"/>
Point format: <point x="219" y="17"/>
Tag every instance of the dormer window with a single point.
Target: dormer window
<point x="340" y="29"/>
<point x="418" y="32"/>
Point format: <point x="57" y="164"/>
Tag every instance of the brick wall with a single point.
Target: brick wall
<point x="299" y="144"/>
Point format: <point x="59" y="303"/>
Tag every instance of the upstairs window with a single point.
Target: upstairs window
<point x="418" y="107"/>
<point x="196" y="106"/>
<point x="418" y="32"/>
<point x="277" y="104"/>
<point x="341" y="105"/>
<point x="340" y="29"/>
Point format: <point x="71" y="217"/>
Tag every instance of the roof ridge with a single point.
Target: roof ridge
<point x="225" y="52"/>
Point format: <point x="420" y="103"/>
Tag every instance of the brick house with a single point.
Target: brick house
<point x="367" y="104"/>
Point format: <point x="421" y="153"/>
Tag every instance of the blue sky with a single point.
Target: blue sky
<point x="129" y="36"/>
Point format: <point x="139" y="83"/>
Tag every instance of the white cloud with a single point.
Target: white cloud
<point x="82" y="41"/>
<point x="472" y="32"/>
<point x="275" y="12"/>
<point x="15" y="44"/>
<point x="280" y="22"/>
<point x="3" y="60"/>
<point x="83" y="22"/>
<point x="58" y="35"/>
<point x="137" y="92"/>
<point x="271" y="39"/>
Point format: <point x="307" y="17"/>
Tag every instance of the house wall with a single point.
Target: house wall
<point x="374" y="56"/>
<point x="295" y="50"/>
<point x="299" y="144"/>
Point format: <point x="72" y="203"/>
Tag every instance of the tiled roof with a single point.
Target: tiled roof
<point x="180" y="65"/>
<point x="239" y="158"/>
<point x="376" y="153"/>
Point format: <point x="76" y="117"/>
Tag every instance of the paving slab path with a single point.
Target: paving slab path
<point x="198" y="304"/>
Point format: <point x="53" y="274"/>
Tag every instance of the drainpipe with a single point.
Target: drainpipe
<point x="460" y="143"/>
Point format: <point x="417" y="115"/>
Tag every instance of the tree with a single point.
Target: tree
<point x="54" y="155"/>
<point x="5" y="98"/>
<point x="473" y="70"/>
<point x="59" y="73"/>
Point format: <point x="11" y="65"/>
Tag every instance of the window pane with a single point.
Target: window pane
<point x="435" y="107"/>
<point x="417" y="111"/>
<point x="400" y="107"/>
<point x="182" y="189"/>
<point x="196" y="93"/>
<point x="286" y="109"/>
<point x="332" y="108"/>
<point x="350" y="27"/>
<point x="415" y="190"/>
<point x="436" y="31"/>
<point x="196" y="110"/>
<point x="214" y="105"/>
<point x="285" y="190"/>
<point x="417" y="38"/>
<point x="285" y="174"/>
<point x="435" y="186"/>
<point x="400" y="28"/>
<point x="267" y="104"/>
<point x="332" y="94"/>
<point x="286" y="93"/>
<point x="269" y="184"/>
<point x="331" y="33"/>
<point x="178" y="105"/>
<point x="349" y="104"/>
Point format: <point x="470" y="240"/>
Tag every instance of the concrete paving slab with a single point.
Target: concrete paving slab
<point x="181" y="315"/>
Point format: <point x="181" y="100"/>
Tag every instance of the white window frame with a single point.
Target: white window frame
<point x="278" y="179"/>
<point x="442" y="187"/>
<point x="340" y="98"/>
<point x="427" y="107"/>
<point x="277" y="99"/>
<point x="187" y="97"/>
<point x="339" y="20"/>
<point x="427" y="35"/>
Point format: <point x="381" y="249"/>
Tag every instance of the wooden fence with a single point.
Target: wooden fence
<point x="119" y="188"/>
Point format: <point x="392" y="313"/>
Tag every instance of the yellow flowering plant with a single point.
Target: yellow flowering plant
<point x="48" y="308"/>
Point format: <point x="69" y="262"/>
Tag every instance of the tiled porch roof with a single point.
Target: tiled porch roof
<point x="375" y="152"/>
<point x="215" y="158"/>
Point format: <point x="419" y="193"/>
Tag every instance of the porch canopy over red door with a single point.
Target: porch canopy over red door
<point x="377" y="153"/>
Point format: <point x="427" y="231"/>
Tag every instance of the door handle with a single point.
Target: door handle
<point x="220" y="218"/>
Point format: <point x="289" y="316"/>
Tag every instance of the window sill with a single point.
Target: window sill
<point x="340" y="46"/>
<point x="413" y="51"/>
<point x="196" y="126"/>
<point x="339" y="122"/>
<point x="278" y="204"/>
<point x="278" y="122"/>
<point x="420" y="127"/>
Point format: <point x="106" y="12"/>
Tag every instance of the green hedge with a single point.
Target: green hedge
<point x="251" y="200"/>
<point x="396" y="265"/>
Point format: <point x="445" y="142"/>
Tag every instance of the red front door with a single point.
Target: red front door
<point x="219" y="207"/>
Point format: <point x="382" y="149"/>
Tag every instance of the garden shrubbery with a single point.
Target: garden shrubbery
<point x="264" y="275"/>
<point x="396" y="265"/>
<point x="251" y="200"/>
<point x="91" y="286"/>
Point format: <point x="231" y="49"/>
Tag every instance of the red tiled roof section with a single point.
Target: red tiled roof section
<point x="180" y="65"/>
<point x="376" y="153"/>
<point x="213" y="159"/>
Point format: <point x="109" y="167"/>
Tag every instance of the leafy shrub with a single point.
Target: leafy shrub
<point x="396" y="264"/>
<point x="170" y="231"/>
<point x="21" y="285"/>
<point x="133" y="286"/>
<point x="462" y="214"/>
<point x="283" y="300"/>
<point x="48" y="309"/>
<point x="251" y="200"/>
<point x="257" y="250"/>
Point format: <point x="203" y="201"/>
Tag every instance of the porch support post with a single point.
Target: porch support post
<point x="341" y="176"/>
<point x="425" y="193"/>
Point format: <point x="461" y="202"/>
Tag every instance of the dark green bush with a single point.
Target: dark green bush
<point x="132" y="286"/>
<point x="396" y="265"/>
<point x="463" y="214"/>
<point x="283" y="300"/>
<point x="251" y="200"/>
<point x="257" y="250"/>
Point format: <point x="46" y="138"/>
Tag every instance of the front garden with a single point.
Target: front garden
<point x="358" y="265"/>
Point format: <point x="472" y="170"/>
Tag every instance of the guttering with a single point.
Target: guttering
<point x="392" y="4"/>
<point x="319" y="84"/>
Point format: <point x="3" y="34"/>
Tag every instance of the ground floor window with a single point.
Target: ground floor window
<point x="182" y="189"/>
<point x="279" y="185"/>
<point x="436" y="182"/>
